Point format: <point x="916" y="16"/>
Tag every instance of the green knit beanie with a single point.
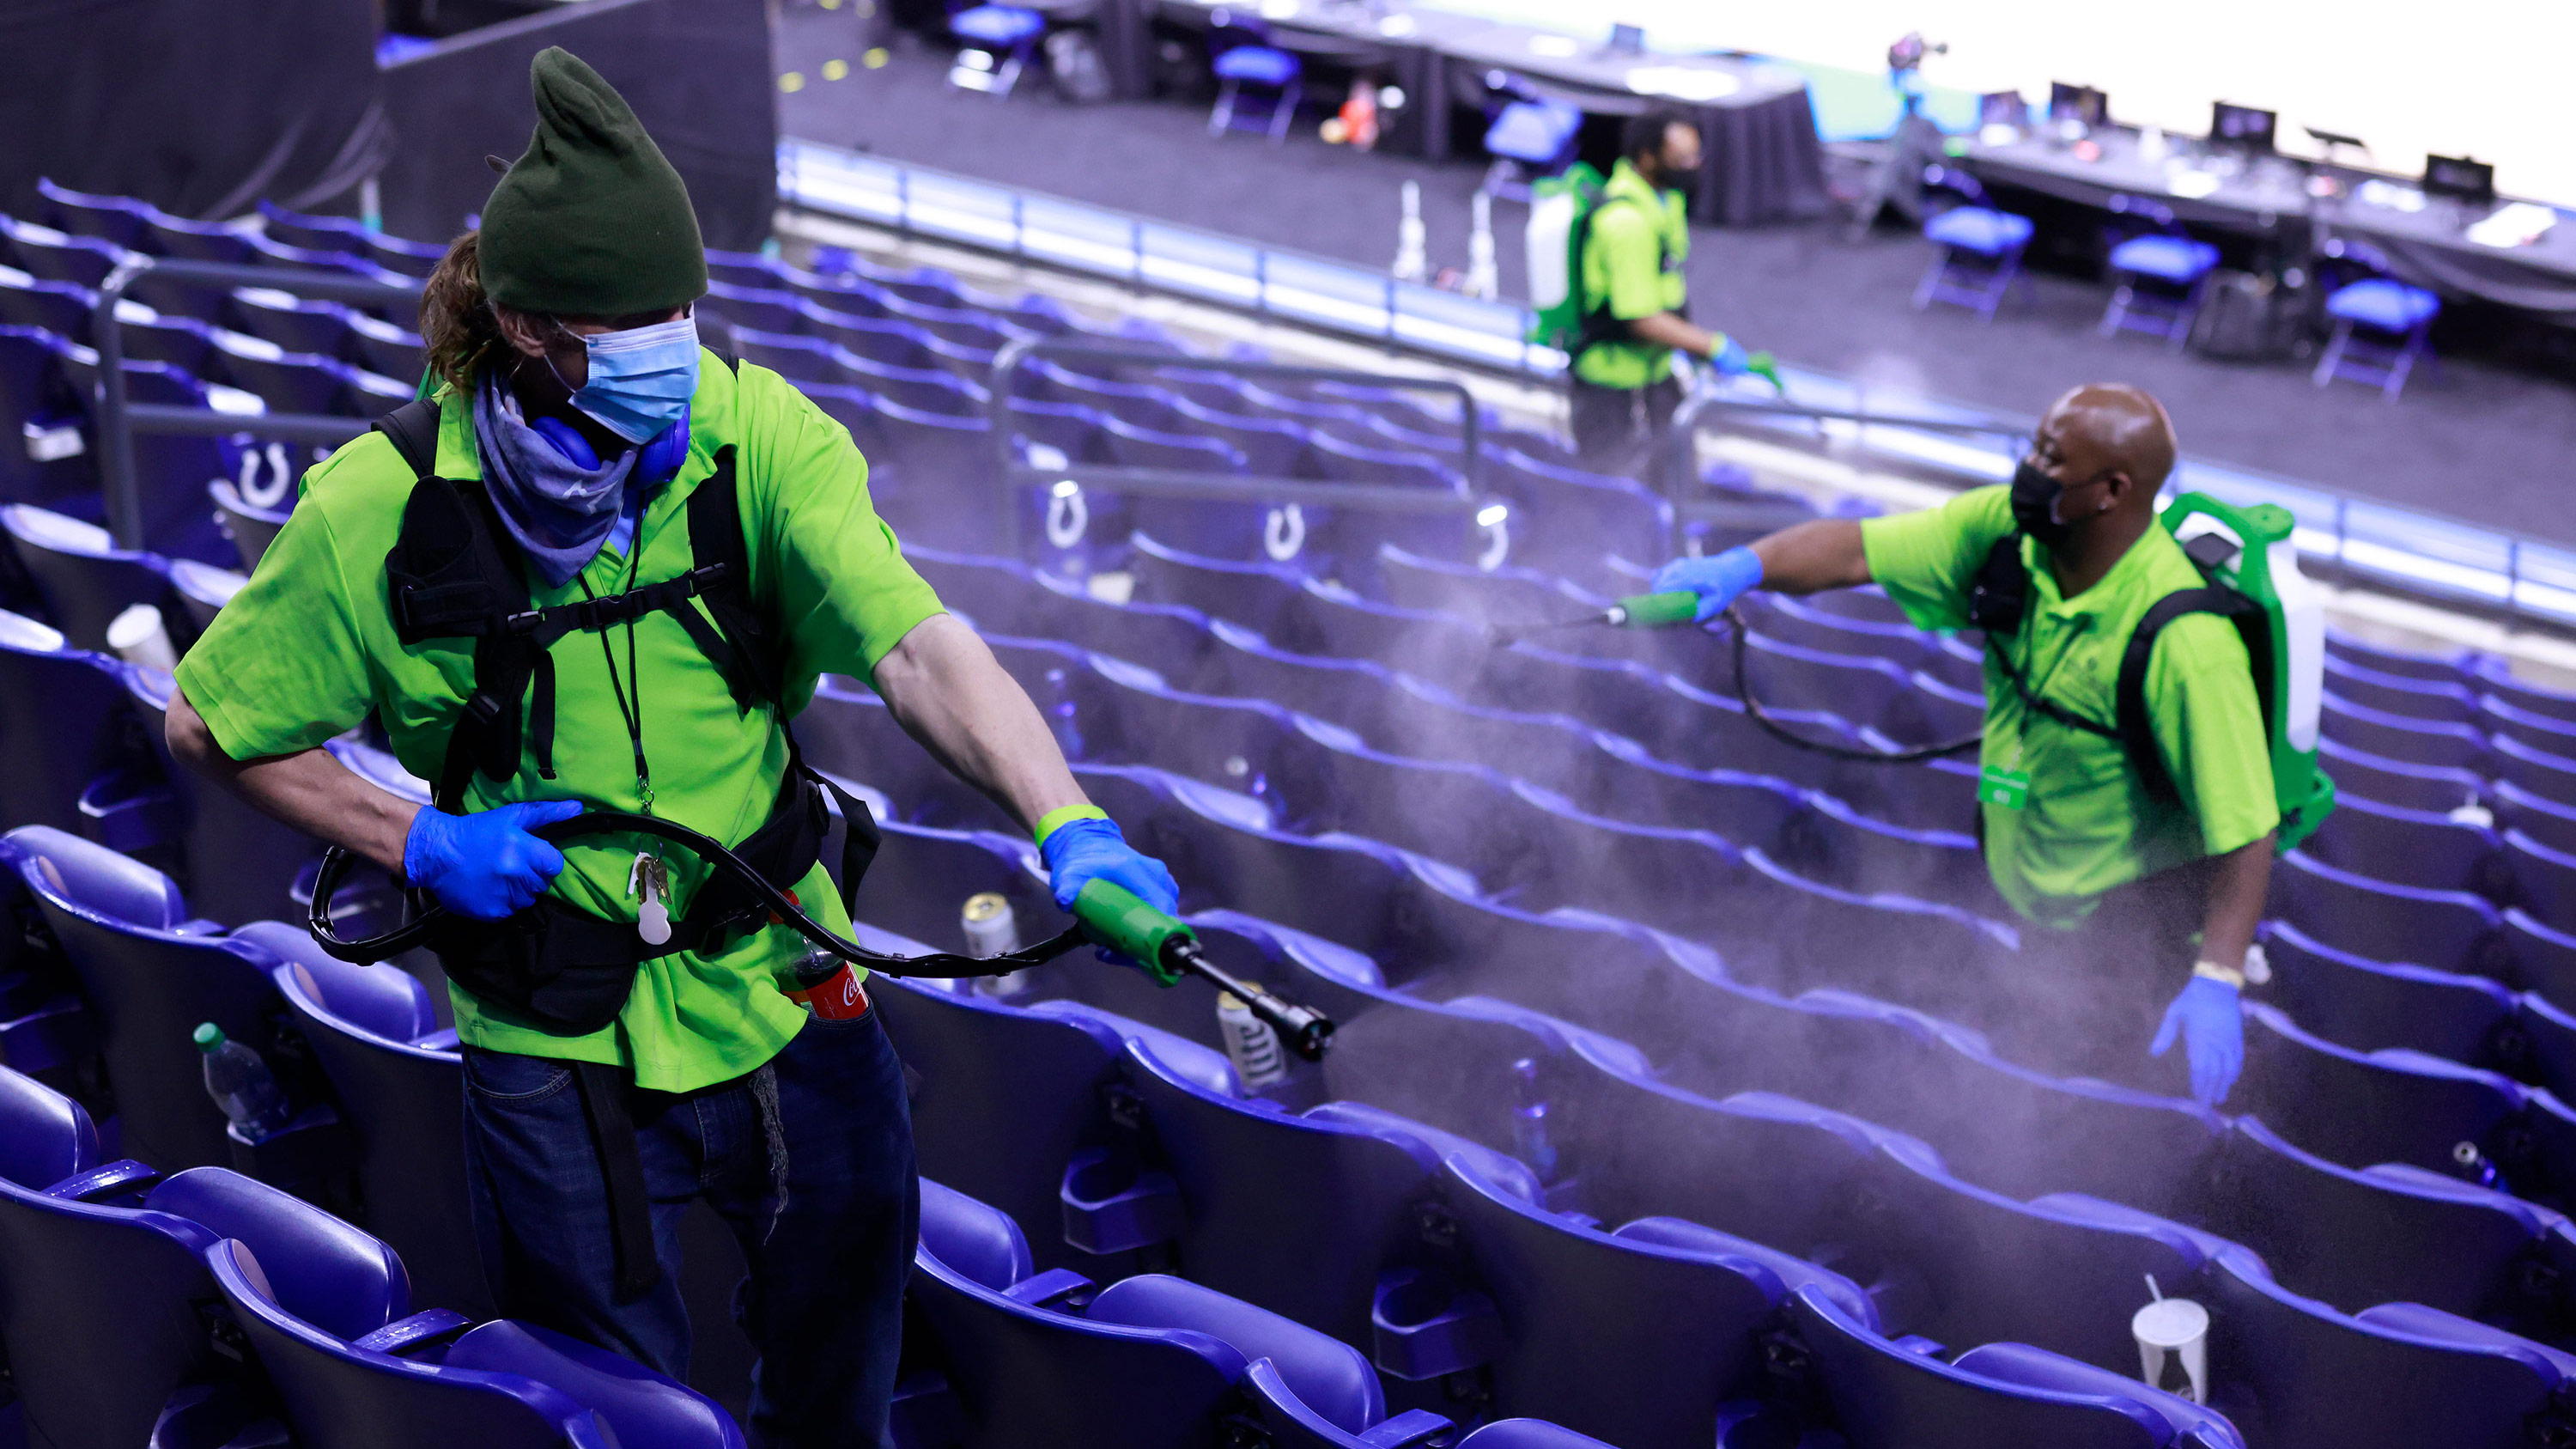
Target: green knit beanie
<point x="591" y="221"/>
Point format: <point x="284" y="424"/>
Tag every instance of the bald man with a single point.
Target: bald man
<point x="2142" y="883"/>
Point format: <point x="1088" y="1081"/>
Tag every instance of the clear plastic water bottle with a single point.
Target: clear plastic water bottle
<point x="1531" y="1142"/>
<point x="241" y="1084"/>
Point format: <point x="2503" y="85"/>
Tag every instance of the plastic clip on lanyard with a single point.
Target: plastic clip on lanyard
<point x="650" y="875"/>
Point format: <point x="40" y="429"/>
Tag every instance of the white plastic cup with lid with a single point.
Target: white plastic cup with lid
<point x="2174" y="1326"/>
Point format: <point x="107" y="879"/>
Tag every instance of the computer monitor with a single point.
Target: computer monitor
<point x="2241" y="128"/>
<point x="2459" y="177"/>
<point x="2078" y="103"/>
<point x="1627" y="40"/>
<point x="2002" y="108"/>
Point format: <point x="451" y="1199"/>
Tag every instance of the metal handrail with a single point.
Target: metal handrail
<point x="1678" y="471"/>
<point x="1224" y="487"/>
<point x="119" y="420"/>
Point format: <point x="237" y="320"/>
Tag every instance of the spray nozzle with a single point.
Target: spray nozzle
<point x="1168" y="950"/>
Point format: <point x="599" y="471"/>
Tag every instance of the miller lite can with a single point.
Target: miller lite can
<point x="992" y="930"/>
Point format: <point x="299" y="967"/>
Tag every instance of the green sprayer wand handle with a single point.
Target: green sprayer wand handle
<point x="1168" y="949"/>
<point x="1654" y="611"/>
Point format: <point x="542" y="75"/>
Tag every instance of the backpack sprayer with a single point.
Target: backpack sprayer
<point x="2253" y="580"/>
<point x="1105" y="915"/>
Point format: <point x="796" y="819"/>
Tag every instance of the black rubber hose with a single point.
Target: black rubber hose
<point x="416" y="932"/>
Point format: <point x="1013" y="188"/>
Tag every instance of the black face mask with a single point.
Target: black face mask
<point x="2034" y="504"/>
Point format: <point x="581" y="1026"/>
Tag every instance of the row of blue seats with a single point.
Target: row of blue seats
<point x="2527" y="867"/>
<point x="917" y="890"/>
<point x="44" y="363"/>
<point x="1300" y="1210"/>
<point x="1420" y="1055"/>
<point x="128" y="222"/>
<point x="1760" y="812"/>
<point x="2005" y="1126"/>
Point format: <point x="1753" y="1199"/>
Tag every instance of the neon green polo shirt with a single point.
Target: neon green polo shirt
<point x="1633" y="264"/>
<point x="307" y="649"/>
<point x="2089" y="824"/>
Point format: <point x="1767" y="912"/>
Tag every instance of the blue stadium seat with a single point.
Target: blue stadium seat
<point x="2454" y="666"/>
<point x="2496" y="677"/>
<point x="2549" y="822"/>
<point x="2540" y="730"/>
<point x="2402" y="783"/>
<point x="2415" y="697"/>
<point x="2359" y="1108"/>
<point x="117" y="219"/>
<point x="2364" y="1004"/>
<point x="67" y="732"/>
<point x="94" y="1295"/>
<point x="1363" y="893"/>
<point x="2544" y="880"/>
<point x="1355" y="694"/>
<point x="236" y="864"/>
<point x="2423" y="848"/>
<point x="2543" y="959"/>
<point x="2544" y="773"/>
<point x="984" y="1065"/>
<point x="292" y="322"/>
<point x="1304" y="1215"/>
<point x="2446" y="930"/>
<point x="62" y="309"/>
<point x="2390" y="1233"/>
<point x="765" y="309"/>
<point x="430" y="1379"/>
<point x="1618" y="515"/>
<point x="1148" y="1362"/>
<point x="84" y="579"/>
<point x="54" y="256"/>
<point x="2403" y="737"/>
<point x="397" y="1077"/>
<point x="1671" y="1311"/>
<point x="2298" y="1374"/>
<point x="150" y="973"/>
<point x="1896" y="1395"/>
<point x="1253" y="594"/>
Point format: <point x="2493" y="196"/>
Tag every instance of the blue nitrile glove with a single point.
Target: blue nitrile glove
<point x="2212" y="1027"/>
<point x="1719" y="580"/>
<point x="1080" y="851"/>
<point x="485" y="865"/>
<point x="1730" y="359"/>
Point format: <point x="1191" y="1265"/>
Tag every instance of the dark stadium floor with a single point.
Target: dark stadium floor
<point x="2477" y="441"/>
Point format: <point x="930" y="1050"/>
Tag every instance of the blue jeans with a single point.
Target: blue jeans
<point x="824" y="1302"/>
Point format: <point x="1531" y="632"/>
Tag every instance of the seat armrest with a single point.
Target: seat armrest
<point x="113" y="1179"/>
<point x="1412" y="1428"/>
<point x="1054" y="1288"/>
<point x="422" y="1330"/>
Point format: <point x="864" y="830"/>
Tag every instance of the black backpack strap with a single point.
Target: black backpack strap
<point x="2137" y="726"/>
<point x="413" y="430"/>
<point x="1998" y="603"/>
<point x="1598" y="326"/>
<point x="742" y="643"/>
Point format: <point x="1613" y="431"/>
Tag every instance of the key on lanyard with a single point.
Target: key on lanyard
<point x="650" y="875"/>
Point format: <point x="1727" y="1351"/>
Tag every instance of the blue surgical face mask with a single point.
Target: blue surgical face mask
<point x="640" y="379"/>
